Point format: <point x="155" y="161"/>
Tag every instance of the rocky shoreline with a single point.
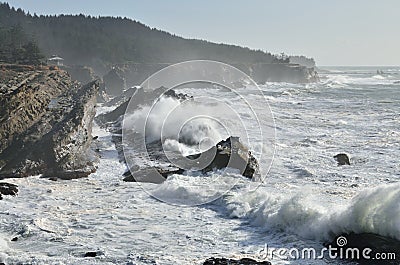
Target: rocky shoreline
<point x="45" y="123"/>
<point x="133" y="74"/>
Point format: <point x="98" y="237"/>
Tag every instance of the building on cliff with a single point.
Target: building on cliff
<point x="55" y="60"/>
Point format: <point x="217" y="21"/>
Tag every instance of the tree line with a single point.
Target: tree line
<point x="88" y="40"/>
<point x="17" y="47"/>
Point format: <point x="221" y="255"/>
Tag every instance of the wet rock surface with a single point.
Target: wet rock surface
<point x="227" y="153"/>
<point x="8" y="189"/>
<point x="342" y="159"/>
<point x="45" y="124"/>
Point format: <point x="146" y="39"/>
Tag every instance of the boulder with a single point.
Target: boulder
<point x="8" y="189"/>
<point x="90" y="254"/>
<point x="342" y="159"/>
<point x="151" y="175"/>
<point x="243" y="261"/>
<point x="229" y="153"/>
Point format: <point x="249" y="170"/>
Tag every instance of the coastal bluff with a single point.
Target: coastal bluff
<point x="45" y="123"/>
<point x="132" y="74"/>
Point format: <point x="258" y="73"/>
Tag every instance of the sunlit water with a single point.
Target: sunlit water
<point x="305" y="200"/>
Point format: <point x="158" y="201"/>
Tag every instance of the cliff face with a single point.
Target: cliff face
<point x="135" y="73"/>
<point x="45" y="123"/>
<point x="290" y="73"/>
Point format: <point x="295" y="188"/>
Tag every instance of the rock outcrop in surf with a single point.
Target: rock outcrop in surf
<point x="227" y="153"/>
<point x="342" y="159"/>
<point x="8" y="189"/>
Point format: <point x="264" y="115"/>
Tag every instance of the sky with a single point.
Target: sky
<point x="339" y="32"/>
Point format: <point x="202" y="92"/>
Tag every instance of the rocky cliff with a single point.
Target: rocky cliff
<point x="279" y="72"/>
<point x="133" y="74"/>
<point x="45" y="123"/>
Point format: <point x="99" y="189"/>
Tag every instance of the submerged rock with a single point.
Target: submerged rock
<point x="8" y="189"/>
<point x="243" y="261"/>
<point x="90" y="254"/>
<point x="45" y="125"/>
<point x="347" y="243"/>
<point x="342" y="159"/>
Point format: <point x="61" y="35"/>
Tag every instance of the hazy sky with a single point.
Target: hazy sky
<point x="338" y="32"/>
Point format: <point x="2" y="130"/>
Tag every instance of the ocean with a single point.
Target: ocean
<point x="303" y="199"/>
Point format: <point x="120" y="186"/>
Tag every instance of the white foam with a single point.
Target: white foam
<point x="170" y="119"/>
<point x="174" y="145"/>
<point x="376" y="210"/>
<point x="309" y="215"/>
<point x="3" y="248"/>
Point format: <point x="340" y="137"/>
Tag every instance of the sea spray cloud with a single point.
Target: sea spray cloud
<point x="168" y="118"/>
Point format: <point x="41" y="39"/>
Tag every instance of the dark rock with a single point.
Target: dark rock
<point x="123" y="97"/>
<point x="229" y="153"/>
<point x="171" y="93"/>
<point x="243" y="261"/>
<point x="114" y="82"/>
<point x="112" y="116"/>
<point x="151" y="175"/>
<point x="342" y="159"/>
<point x="362" y="241"/>
<point x="90" y="254"/>
<point x="14" y="239"/>
<point x="45" y="125"/>
<point x="8" y="189"/>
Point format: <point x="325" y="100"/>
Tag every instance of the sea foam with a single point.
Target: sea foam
<point x="375" y="210"/>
